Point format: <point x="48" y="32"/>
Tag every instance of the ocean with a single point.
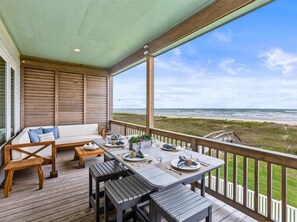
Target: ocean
<point x="274" y="115"/>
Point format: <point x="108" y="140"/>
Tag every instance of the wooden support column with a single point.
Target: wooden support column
<point x="149" y="93"/>
<point x="85" y="100"/>
<point x="109" y="101"/>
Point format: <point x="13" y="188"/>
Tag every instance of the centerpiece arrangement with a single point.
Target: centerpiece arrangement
<point x="141" y="141"/>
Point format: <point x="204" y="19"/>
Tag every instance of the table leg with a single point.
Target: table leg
<point x="81" y="163"/>
<point x="75" y="156"/>
<point x="203" y="186"/>
<point x="193" y="186"/>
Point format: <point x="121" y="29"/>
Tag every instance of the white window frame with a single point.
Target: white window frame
<point x="10" y="55"/>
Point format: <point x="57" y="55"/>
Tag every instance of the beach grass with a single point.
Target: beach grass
<point x="266" y="135"/>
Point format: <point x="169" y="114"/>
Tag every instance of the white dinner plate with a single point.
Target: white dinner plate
<point x="120" y="138"/>
<point x="113" y="146"/>
<point x="171" y="150"/>
<point x="189" y="168"/>
<point x="128" y="157"/>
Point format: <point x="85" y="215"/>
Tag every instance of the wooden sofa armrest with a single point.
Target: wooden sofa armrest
<point x="18" y="147"/>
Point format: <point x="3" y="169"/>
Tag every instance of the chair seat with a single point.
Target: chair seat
<point x="127" y="189"/>
<point x="125" y="193"/>
<point x="181" y="204"/>
<point x="23" y="164"/>
<point x="106" y="170"/>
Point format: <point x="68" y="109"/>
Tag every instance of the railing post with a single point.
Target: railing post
<point x="149" y="93"/>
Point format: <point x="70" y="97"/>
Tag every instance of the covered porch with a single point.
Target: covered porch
<point x="65" y="77"/>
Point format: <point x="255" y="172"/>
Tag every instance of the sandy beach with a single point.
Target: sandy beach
<point x="291" y="123"/>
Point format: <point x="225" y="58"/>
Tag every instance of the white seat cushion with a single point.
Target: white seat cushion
<point x="78" y="130"/>
<point x="75" y="139"/>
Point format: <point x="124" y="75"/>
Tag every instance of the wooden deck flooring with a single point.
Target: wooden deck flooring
<point x="66" y="198"/>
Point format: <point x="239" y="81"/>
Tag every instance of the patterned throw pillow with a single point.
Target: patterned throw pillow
<point x="46" y="137"/>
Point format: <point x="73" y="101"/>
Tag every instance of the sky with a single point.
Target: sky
<point x="248" y="63"/>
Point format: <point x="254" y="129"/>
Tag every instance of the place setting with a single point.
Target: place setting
<point x="115" y="141"/>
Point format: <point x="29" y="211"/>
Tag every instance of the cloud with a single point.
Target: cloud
<point x="276" y="59"/>
<point x="180" y="67"/>
<point x="177" y="51"/>
<point x="223" y="36"/>
<point x="229" y="66"/>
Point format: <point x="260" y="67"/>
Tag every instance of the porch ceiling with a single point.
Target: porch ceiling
<point x="105" y="31"/>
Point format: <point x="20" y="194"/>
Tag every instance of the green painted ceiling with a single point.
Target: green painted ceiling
<point x="106" y="31"/>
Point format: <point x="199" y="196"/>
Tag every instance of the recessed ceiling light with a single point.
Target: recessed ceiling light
<point x="76" y="50"/>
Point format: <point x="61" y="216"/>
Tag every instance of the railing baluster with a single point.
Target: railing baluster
<point x="218" y="173"/>
<point x="125" y="129"/>
<point x="209" y="174"/>
<point x="193" y="144"/>
<point x="226" y="174"/>
<point x="269" y="189"/>
<point x="284" y="194"/>
<point x="245" y="180"/>
<point x="256" y="183"/>
<point x="235" y="177"/>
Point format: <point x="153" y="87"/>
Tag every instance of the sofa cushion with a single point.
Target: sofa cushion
<point x="75" y="139"/>
<point x="54" y="130"/>
<point x="78" y="130"/>
<point x="46" y="137"/>
<point x="33" y="134"/>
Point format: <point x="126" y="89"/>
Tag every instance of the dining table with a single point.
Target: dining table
<point x="156" y="167"/>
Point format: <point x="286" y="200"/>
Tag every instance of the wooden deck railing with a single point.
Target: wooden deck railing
<point x="231" y="153"/>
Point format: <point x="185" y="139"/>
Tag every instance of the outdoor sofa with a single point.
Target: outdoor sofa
<point x="22" y="146"/>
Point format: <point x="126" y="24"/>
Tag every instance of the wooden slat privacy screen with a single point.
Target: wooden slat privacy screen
<point x="39" y="94"/>
<point x="71" y="98"/>
<point x="56" y="96"/>
<point x="96" y="99"/>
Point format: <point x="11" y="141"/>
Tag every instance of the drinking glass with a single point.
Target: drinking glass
<point x="158" y="157"/>
<point x="188" y="152"/>
<point x="155" y="143"/>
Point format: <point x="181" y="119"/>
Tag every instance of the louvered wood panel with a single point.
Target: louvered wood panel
<point x="96" y="105"/>
<point x="71" y="98"/>
<point x="39" y="97"/>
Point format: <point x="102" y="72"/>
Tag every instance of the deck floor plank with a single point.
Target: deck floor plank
<point x="66" y="198"/>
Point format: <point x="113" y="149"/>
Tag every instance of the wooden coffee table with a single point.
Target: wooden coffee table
<point x="80" y="153"/>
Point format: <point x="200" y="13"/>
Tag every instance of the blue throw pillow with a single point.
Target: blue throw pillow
<point x="54" y="130"/>
<point x="33" y="135"/>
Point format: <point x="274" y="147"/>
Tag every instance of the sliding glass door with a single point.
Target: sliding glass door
<point x="12" y="104"/>
<point x="2" y="101"/>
